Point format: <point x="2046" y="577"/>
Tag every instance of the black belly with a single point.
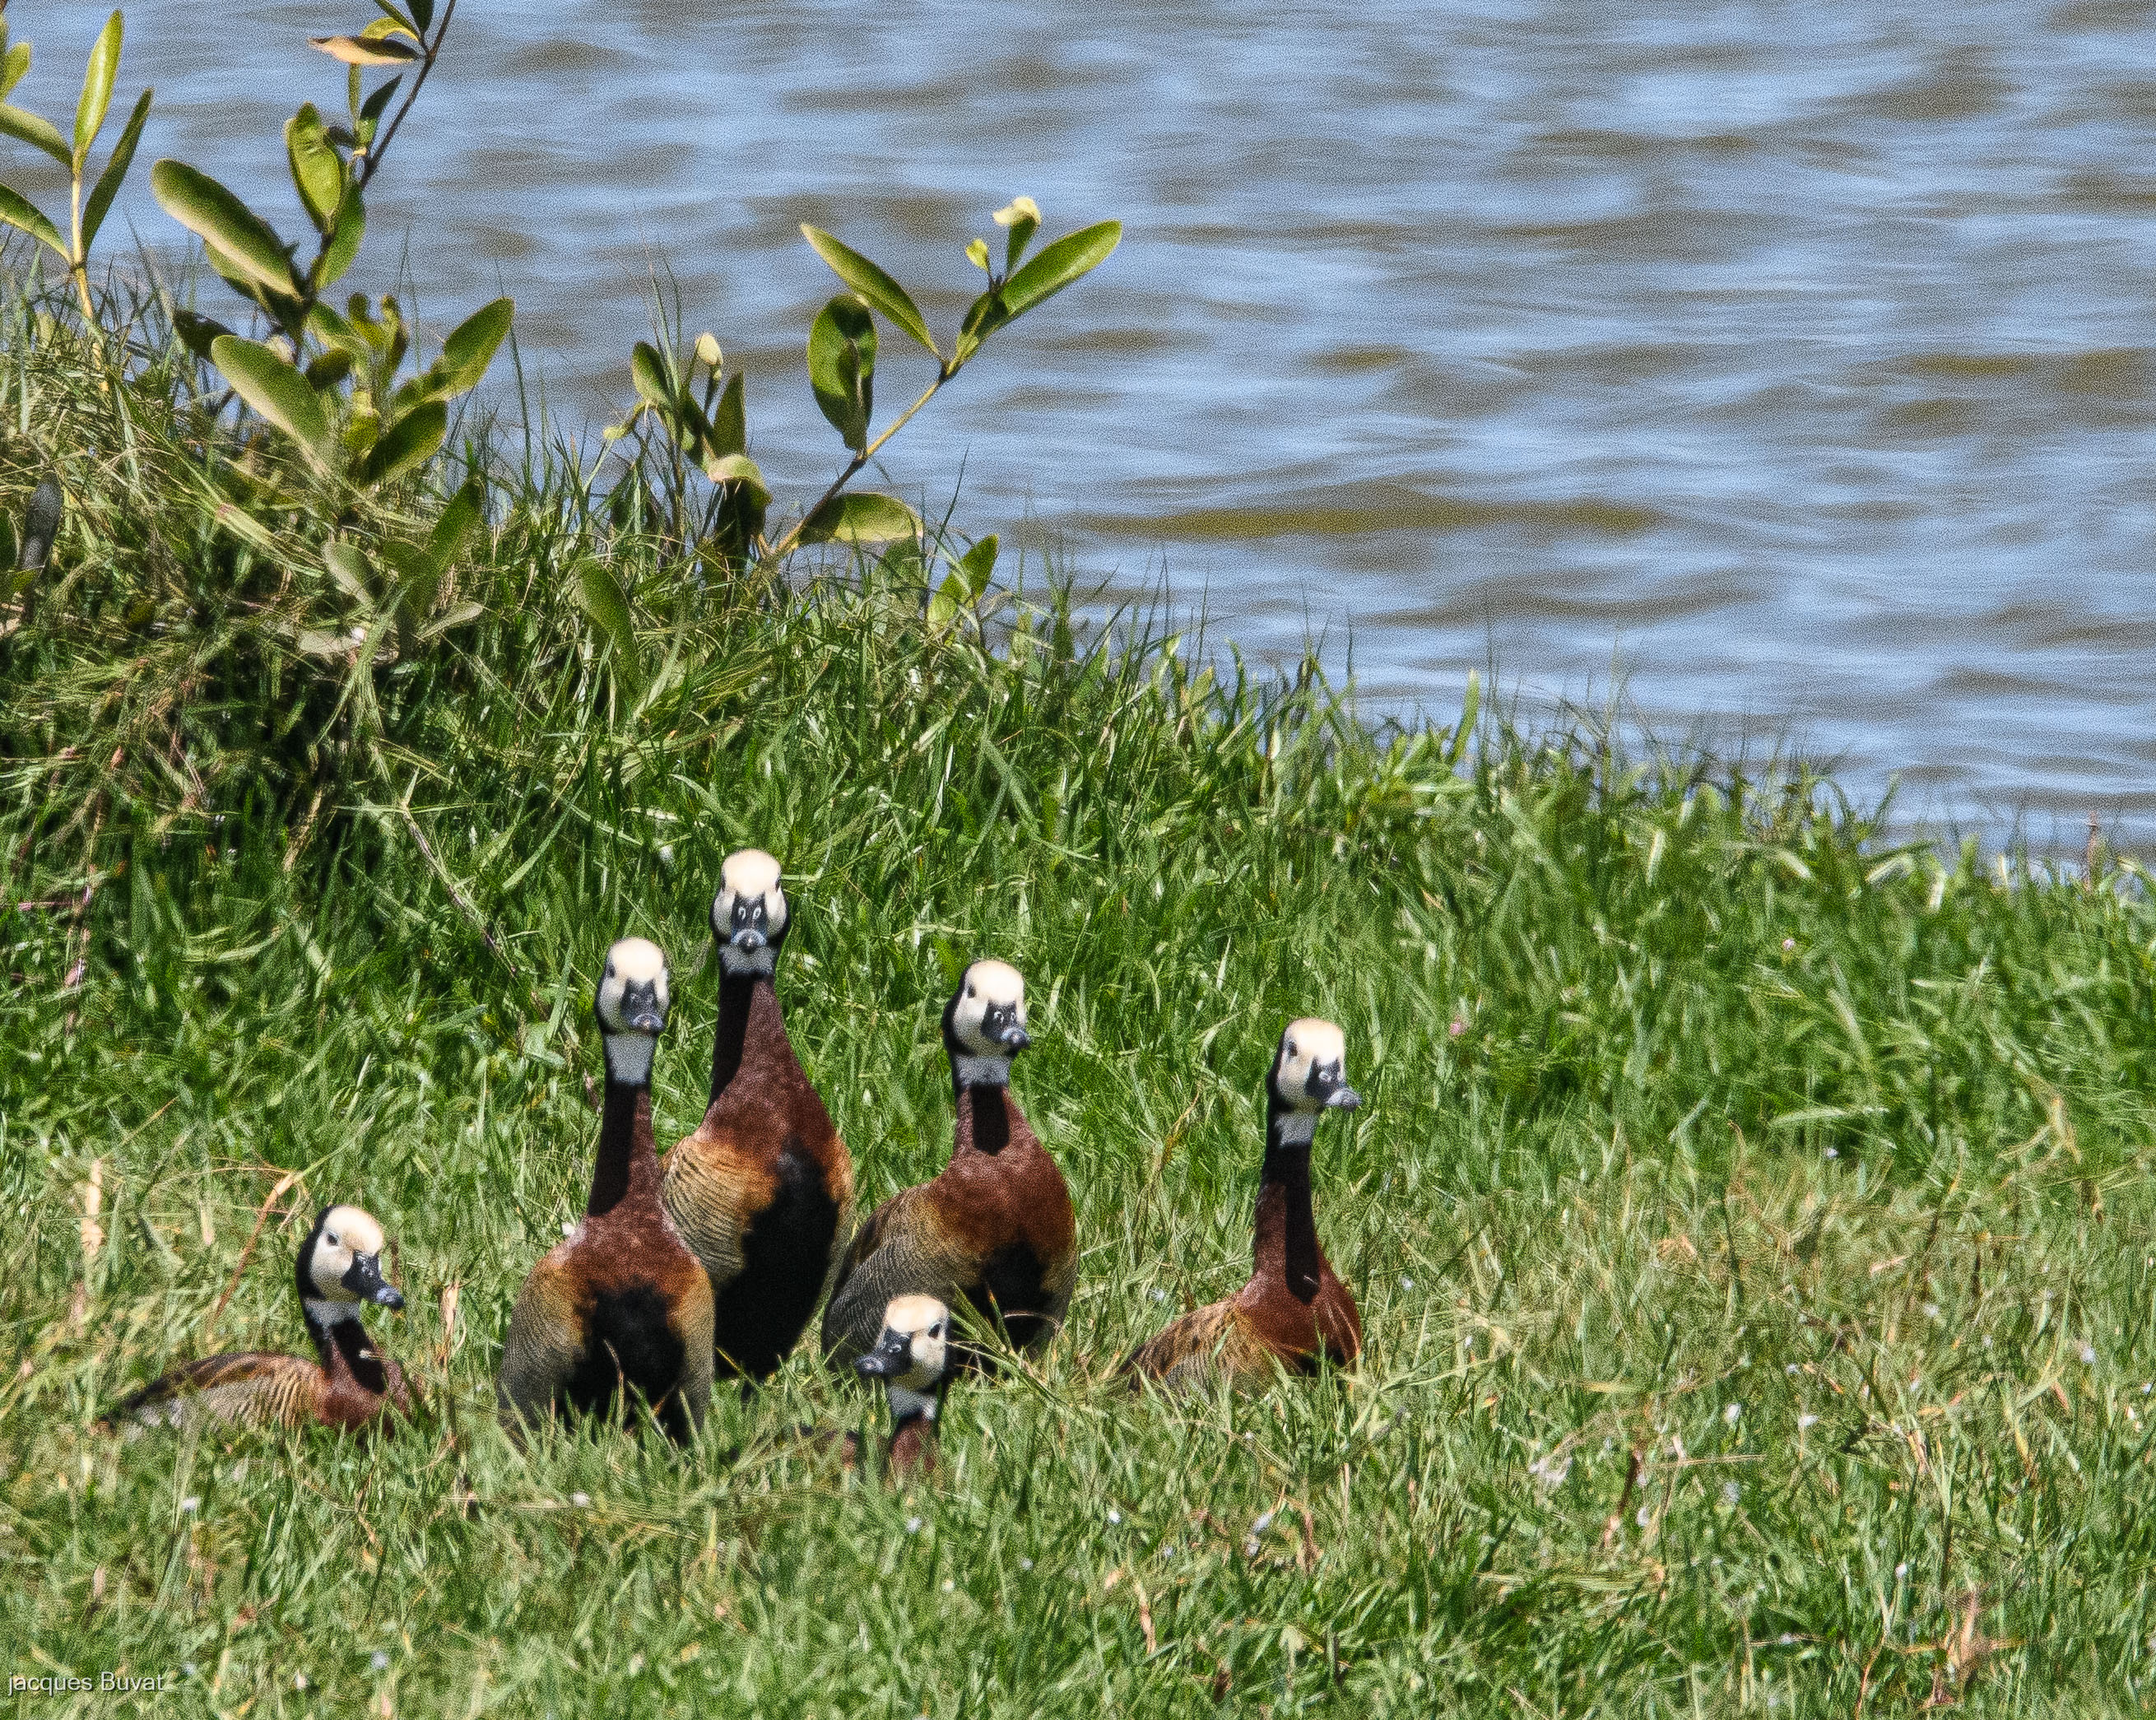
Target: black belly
<point x="757" y="1319"/>
<point x="1009" y="1288"/>
<point x="630" y="1342"/>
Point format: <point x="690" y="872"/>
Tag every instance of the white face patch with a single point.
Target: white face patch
<point x="990" y="997"/>
<point x="633" y="990"/>
<point x="1310" y="1047"/>
<point x="346" y="1232"/>
<point x="748" y="915"/>
<point x="925" y="1323"/>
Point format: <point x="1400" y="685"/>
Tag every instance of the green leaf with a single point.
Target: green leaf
<point x="275" y="390"/>
<point x="17" y="211"/>
<point x="40" y="134"/>
<point x="347" y="565"/>
<point x="96" y="90"/>
<point x="409" y="442"/>
<point x="351" y="229"/>
<point x="978" y="566"/>
<point x="223" y="223"/>
<point x="738" y="469"/>
<point x="601" y="598"/>
<point x="1022" y="216"/>
<point x="370" y="114"/>
<point x="1464" y="731"/>
<point x="945" y="602"/>
<point x="317" y="170"/>
<point x="729" y="433"/>
<point x="327" y="369"/>
<point x="872" y="284"/>
<point x="14" y="65"/>
<point x="116" y="169"/>
<point x="356" y="50"/>
<point x="1074" y="254"/>
<point x="976" y="253"/>
<point x="467" y="509"/>
<point x="865" y="518"/>
<point x="649" y="370"/>
<point x="469" y="350"/>
<point x="842" y="353"/>
<point x="422" y="12"/>
<point x="197" y="333"/>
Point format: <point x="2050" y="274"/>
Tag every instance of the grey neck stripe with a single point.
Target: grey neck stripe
<point x="748" y="964"/>
<point x="975" y="1071"/>
<point x="906" y="1403"/>
<point x="629" y="1057"/>
<point x="329" y="1313"/>
<point x="1294" y="1128"/>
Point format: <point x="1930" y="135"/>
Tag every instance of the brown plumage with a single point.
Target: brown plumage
<point x="338" y="1272"/>
<point x="995" y="1229"/>
<point x="763" y="1190"/>
<point x="617" y="1315"/>
<point x="1294" y="1311"/>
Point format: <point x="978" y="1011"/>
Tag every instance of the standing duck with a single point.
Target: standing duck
<point x="618" y="1310"/>
<point x="339" y="1272"/>
<point x="761" y="1192"/>
<point x="1293" y="1311"/>
<point x="995" y="1229"/>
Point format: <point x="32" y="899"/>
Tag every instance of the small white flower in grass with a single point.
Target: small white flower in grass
<point x="1640" y="1517"/>
<point x="1806" y="1420"/>
<point x="948" y="1585"/>
<point x="1899" y="1572"/>
<point x="191" y="1503"/>
<point x="1025" y="1564"/>
<point x="581" y="1500"/>
<point x="186" y="1669"/>
<point x="299" y="1680"/>
<point x="1787" y="1639"/>
<point x="1730" y="1412"/>
<point x="1834" y="1152"/>
<point x="913" y="1526"/>
<point x="1158" y="1294"/>
<point x="665" y="853"/>
<point x="1731" y="1492"/>
<point x="1551" y="1470"/>
<point x="566" y="1227"/>
<point x="1987" y="1340"/>
<point x="1263" y="1521"/>
<point x="1407" y="1283"/>
<point x="1931" y="1310"/>
<point x="1789" y="945"/>
<point x="1789" y="1368"/>
<point x="1457" y="1028"/>
<point x="379" y="1660"/>
<point x="2088" y="1355"/>
<point x="1115" y="1516"/>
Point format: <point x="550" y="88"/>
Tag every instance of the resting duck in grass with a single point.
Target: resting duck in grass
<point x="995" y="1229"/>
<point x="616" y="1317"/>
<point x="1294" y="1311"/>
<point x="763" y="1190"/>
<point x="351" y="1384"/>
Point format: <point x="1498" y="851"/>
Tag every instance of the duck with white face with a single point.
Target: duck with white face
<point x="995" y="1229"/>
<point x="615" y="1320"/>
<point x="762" y="1191"/>
<point x="337" y="1273"/>
<point x="912" y="1357"/>
<point x="1294" y="1313"/>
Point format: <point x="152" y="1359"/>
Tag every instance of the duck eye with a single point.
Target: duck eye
<point x="969" y="991"/>
<point x="330" y="1237"/>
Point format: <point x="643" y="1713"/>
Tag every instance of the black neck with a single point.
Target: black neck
<point x="983" y="1121"/>
<point x="624" y="1146"/>
<point x="1286" y="1219"/>
<point x="738" y="999"/>
<point x="343" y="1348"/>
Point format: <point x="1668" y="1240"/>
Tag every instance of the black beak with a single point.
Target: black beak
<point x="892" y="1355"/>
<point x="1014" y="1038"/>
<point x="749" y="939"/>
<point x="1344" y="1098"/>
<point x="363" y="1278"/>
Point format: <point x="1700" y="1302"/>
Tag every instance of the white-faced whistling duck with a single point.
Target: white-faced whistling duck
<point x="762" y="1191"/>
<point x="1293" y="1311"/>
<point x="911" y="1357"/>
<point x="339" y="1273"/>
<point x="995" y="1229"/>
<point x="619" y="1312"/>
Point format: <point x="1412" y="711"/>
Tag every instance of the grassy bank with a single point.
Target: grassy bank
<point x="1750" y="1222"/>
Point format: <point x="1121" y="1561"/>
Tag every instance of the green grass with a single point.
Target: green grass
<point x="1750" y="1222"/>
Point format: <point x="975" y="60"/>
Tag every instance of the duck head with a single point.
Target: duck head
<point x="631" y="1006"/>
<point x="341" y="1266"/>
<point x="912" y="1356"/>
<point x="984" y="1025"/>
<point x="1309" y="1076"/>
<point x="748" y="915"/>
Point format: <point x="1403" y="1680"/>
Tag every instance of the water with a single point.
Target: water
<point x="1788" y="366"/>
